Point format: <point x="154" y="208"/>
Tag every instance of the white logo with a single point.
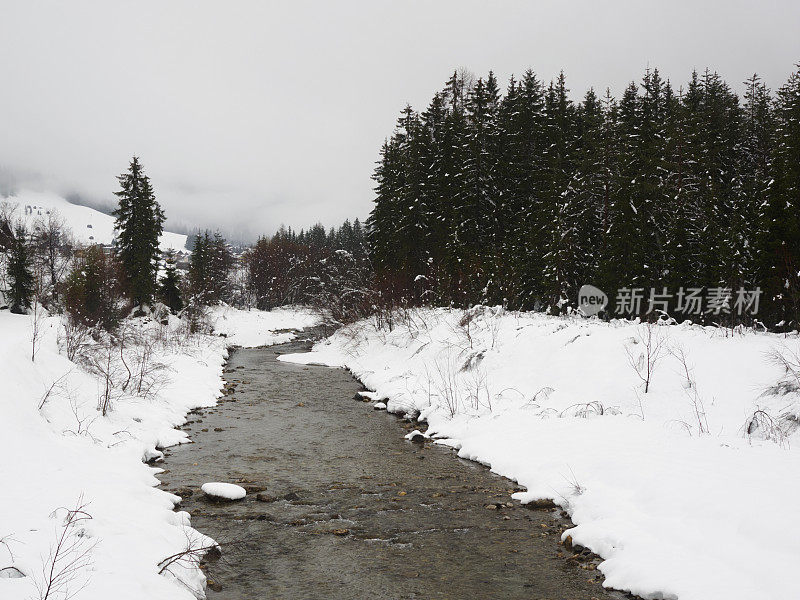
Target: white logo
<point x="591" y="300"/>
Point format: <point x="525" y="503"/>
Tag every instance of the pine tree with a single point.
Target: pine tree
<point x="139" y="225"/>
<point x="780" y="243"/>
<point x="20" y="278"/>
<point x="623" y="252"/>
<point x="198" y="269"/>
<point x="755" y="175"/>
<point x="169" y="290"/>
<point x="526" y="172"/>
<point x="476" y="227"/>
<point x="561" y="205"/>
<point x="221" y="262"/>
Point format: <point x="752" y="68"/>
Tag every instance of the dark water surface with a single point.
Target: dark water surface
<point x="348" y="508"/>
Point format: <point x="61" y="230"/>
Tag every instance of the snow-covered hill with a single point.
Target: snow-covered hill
<point x="88" y="225"/>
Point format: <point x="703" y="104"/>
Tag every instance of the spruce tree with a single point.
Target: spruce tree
<point x="199" y="267"/>
<point x="20" y="278"/>
<point x="780" y="240"/>
<point x="169" y="290"/>
<point x="139" y="224"/>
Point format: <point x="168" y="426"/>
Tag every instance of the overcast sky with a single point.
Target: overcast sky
<point x="248" y="114"/>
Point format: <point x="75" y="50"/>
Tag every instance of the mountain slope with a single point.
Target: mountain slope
<point x="87" y="224"/>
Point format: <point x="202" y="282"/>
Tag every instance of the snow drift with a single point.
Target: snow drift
<point x="60" y="454"/>
<point x="688" y="491"/>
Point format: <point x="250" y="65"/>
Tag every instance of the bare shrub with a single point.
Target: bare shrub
<point x="764" y="426"/>
<point x="53" y="246"/>
<point x="83" y="423"/>
<point x="65" y="571"/>
<point x="57" y="385"/>
<point x="698" y="410"/>
<point x="541" y="395"/>
<point x="37" y="316"/>
<point x="478" y="394"/>
<point x="680" y="354"/>
<point x="197" y="546"/>
<point x="588" y="409"/>
<point x="74" y="338"/>
<point x="652" y="341"/>
<point x="443" y="384"/>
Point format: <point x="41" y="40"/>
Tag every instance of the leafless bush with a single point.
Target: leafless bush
<point x="698" y="410"/>
<point x="680" y="354"/>
<point x="197" y="546"/>
<point x="37" y="316"/>
<point x="144" y="376"/>
<point x="57" y="385"/>
<point x="478" y="393"/>
<point x="64" y="572"/>
<point x="764" y="426"/>
<point x="588" y="409"/>
<point x="83" y="422"/>
<point x="5" y="543"/>
<point x="74" y="338"/>
<point x="197" y="549"/>
<point x="540" y="396"/>
<point x="53" y="249"/>
<point x="444" y="384"/>
<point x="652" y="342"/>
<point x="102" y="361"/>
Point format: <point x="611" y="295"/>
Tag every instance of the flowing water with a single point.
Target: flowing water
<point x="341" y="506"/>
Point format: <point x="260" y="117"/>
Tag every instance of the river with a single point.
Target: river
<point x="341" y="506"/>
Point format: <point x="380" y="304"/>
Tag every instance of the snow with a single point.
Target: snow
<point x="226" y="491"/>
<point x="252" y="328"/>
<point x="68" y="454"/>
<point x="89" y="226"/>
<point x="666" y="486"/>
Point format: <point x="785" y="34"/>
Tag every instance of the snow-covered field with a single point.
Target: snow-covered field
<point x="89" y="226"/>
<point x="667" y="486"/>
<point x="66" y="454"/>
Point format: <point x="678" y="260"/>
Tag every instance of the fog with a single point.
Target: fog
<point x="247" y="115"/>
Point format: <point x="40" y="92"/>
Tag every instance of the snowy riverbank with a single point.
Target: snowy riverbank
<point x="66" y="454"/>
<point x="667" y="486"/>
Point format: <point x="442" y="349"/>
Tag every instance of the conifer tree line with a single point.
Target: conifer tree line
<point x="519" y="198"/>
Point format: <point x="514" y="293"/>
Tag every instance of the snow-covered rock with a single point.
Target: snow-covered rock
<point x="223" y="491"/>
<point x="416" y="436"/>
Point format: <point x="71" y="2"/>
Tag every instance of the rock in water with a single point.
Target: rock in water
<point x="416" y="436"/>
<point x="224" y="491"/>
